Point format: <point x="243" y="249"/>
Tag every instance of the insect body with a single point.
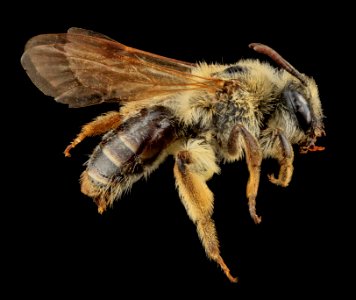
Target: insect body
<point x="201" y="114"/>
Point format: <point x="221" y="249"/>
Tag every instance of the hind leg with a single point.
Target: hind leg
<point x="100" y="125"/>
<point x="193" y="166"/>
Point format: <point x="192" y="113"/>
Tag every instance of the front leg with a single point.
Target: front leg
<point x="253" y="159"/>
<point x="283" y="152"/>
<point x="192" y="168"/>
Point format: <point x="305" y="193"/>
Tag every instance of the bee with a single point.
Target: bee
<point x="201" y="114"/>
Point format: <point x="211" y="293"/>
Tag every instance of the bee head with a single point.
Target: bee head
<point x="301" y="99"/>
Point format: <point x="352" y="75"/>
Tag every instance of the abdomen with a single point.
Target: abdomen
<point x="126" y="154"/>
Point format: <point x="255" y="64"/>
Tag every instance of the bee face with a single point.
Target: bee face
<point x="303" y="104"/>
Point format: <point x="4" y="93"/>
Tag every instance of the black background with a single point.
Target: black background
<point x="58" y="243"/>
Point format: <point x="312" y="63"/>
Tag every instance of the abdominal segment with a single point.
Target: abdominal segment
<point x="127" y="153"/>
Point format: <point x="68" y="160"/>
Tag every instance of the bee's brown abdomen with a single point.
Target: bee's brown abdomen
<point x="126" y="153"/>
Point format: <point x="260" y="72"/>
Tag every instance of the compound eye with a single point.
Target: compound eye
<point x="299" y="105"/>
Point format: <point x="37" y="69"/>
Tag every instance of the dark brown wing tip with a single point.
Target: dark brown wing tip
<point x="41" y="83"/>
<point x="45" y="39"/>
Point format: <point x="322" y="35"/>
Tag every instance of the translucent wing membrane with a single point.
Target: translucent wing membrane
<point x="82" y="68"/>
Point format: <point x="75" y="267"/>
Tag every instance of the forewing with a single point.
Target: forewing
<point x="82" y="68"/>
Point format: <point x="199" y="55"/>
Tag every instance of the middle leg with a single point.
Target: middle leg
<point x="253" y="155"/>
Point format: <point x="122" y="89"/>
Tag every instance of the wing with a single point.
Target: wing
<point x="82" y="68"/>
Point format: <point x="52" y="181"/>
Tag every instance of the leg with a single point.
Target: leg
<point x="253" y="159"/>
<point x="198" y="201"/>
<point x="100" y="125"/>
<point x="285" y="155"/>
